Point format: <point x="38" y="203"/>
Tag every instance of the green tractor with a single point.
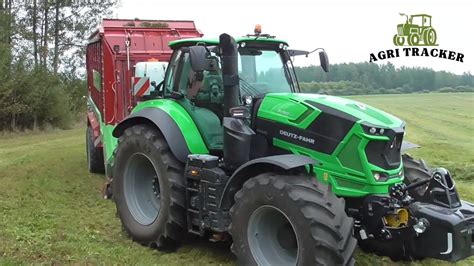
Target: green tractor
<point x="416" y="30"/>
<point x="227" y="147"/>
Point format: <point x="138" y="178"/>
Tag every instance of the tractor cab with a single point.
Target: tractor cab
<point x="195" y="79"/>
<point x="421" y="20"/>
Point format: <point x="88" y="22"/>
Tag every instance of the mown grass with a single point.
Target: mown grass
<point x="51" y="210"/>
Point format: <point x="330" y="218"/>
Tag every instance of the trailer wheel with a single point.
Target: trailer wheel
<point x="148" y="188"/>
<point x="95" y="156"/>
<point x="290" y="220"/>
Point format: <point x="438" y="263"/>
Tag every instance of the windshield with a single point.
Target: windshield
<point x="262" y="71"/>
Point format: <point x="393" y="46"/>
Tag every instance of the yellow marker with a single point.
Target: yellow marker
<point x="325" y="176"/>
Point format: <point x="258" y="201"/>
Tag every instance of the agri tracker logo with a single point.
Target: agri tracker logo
<point x="416" y="30"/>
<point x="417" y="36"/>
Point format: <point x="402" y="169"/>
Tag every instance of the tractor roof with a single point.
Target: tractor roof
<point x="215" y="41"/>
<point x="421" y="15"/>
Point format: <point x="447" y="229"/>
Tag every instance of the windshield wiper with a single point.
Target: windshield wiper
<point x="248" y="87"/>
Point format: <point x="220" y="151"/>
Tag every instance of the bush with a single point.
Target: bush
<point x="446" y="89"/>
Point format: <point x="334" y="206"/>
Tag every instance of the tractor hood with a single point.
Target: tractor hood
<point x="293" y="107"/>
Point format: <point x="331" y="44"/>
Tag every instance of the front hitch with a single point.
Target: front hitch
<point x="439" y="226"/>
<point x="447" y="233"/>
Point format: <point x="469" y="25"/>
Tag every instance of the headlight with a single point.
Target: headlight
<point x="373" y="130"/>
<point x="380" y="177"/>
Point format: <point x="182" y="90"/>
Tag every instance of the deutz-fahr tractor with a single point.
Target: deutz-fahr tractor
<point x="227" y="147"/>
<point x="416" y="30"/>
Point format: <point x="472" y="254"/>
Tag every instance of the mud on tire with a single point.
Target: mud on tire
<point x="148" y="188"/>
<point x="283" y="219"/>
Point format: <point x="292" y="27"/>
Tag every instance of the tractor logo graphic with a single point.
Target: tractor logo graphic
<point x="416" y="31"/>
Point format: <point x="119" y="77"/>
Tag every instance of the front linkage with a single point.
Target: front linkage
<point x="422" y="219"/>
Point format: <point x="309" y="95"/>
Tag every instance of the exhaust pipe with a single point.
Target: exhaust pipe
<point x="237" y="133"/>
<point x="230" y="75"/>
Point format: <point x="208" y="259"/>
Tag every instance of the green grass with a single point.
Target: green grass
<point x="51" y="210"/>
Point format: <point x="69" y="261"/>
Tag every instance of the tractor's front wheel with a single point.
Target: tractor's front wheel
<point x="398" y="40"/>
<point x="414" y="39"/>
<point x="290" y="220"/>
<point x="148" y="188"/>
<point x="415" y="171"/>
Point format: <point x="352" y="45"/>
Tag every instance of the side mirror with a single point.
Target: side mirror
<point x="198" y="57"/>
<point x="323" y="58"/>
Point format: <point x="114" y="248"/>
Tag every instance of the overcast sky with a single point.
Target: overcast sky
<point x="348" y="30"/>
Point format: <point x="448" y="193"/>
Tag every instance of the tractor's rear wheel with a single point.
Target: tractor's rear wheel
<point x="95" y="156"/>
<point x="429" y="37"/>
<point x="148" y="188"/>
<point x="290" y="220"/>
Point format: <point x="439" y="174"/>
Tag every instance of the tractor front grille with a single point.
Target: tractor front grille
<point x="385" y="154"/>
<point x="400" y="30"/>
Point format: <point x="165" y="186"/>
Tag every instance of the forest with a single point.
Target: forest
<point x="370" y="78"/>
<point x="42" y="57"/>
<point x="42" y="61"/>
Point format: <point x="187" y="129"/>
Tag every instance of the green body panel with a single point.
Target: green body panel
<point x="347" y="169"/>
<point x="285" y="111"/>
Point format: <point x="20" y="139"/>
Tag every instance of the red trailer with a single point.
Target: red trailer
<point x="114" y="51"/>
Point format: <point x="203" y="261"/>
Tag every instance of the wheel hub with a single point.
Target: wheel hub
<point x="142" y="189"/>
<point x="271" y="237"/>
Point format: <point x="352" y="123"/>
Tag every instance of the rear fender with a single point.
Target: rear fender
<point x="277" y="163"/>
<point x="175" y="124"/>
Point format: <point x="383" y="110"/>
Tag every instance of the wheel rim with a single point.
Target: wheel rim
<point x="431" y="37"/>
<point x="414" y="39"/>
<point x="271" y="237"/>
<point x="142" y="189"/>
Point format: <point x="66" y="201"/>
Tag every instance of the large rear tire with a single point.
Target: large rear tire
<point x="429" y="37"/>
<point x="95" y="155"/>
<point x="290" y="220"/>
<point x="148" y="188"/>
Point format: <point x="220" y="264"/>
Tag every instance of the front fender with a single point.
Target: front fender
<point x="177" y="127"/>
<point x="258" y="166"/>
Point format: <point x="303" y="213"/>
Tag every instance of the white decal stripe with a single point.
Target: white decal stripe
<point x="450" y="245"/>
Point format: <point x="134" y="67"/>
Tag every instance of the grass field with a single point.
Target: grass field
<point x="51" y="210"/>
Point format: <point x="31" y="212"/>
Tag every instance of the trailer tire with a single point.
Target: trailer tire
<point x="148" y="188"/>
<point x="269" y="205"/>
<point x="95" y="155"/>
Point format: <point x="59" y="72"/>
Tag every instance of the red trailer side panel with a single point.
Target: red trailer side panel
<point x="113" y="51"/>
